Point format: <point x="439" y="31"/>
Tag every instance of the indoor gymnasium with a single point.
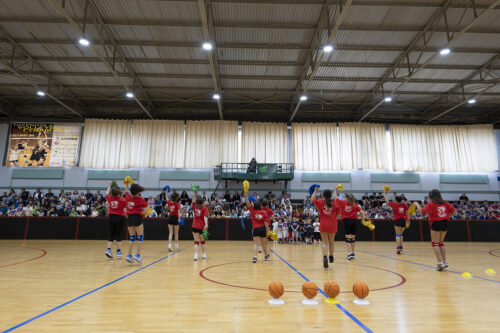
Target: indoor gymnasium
<point x="249" y="165"/>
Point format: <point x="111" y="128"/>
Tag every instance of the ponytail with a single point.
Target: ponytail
<point x="327" y="194"/>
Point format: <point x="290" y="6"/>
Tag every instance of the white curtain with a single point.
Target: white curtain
<point x="267" y="142"/>
<point x="209" y="143"/>
<point x="157" y="144"/>
<point x="362" y="145"/>
<point x="444" y="148"/>
<point x="315" y="146"/>
<point x="106" y="144"/>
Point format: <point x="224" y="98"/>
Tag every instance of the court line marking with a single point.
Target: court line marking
<point x="491" y="252"/>
<point x="344" y="310"/>
<point x="86" y="294"/>
<point x="202" y="275"/>
<point x="22" y="262"/>
<point x="427" y="266"/>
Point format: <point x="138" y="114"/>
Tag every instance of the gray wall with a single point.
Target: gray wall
<point x="76" y="178"/>
<point x="4" y="136"/>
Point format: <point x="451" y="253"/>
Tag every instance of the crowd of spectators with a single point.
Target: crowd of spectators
<point x="227" y="205"/>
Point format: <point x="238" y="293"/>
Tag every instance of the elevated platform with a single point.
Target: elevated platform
<point x="263" y="172"/>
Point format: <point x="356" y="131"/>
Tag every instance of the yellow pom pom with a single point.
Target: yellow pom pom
<point x="387" y="188"/>
<point x="246" y="186"/>
<point x="371" y="226"/>
<point x="467" y="275"/>
<point x="407" y="225"/>
<point x="128" y="180"/>
<point x="340" y="187"/>
<point x="412" y="210"/>
<point x="490" y="271"/>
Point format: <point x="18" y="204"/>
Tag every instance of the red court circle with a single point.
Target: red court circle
<point x="31" y="259"/>
<point x="202" y="275"/>
<point x="494" y="250"/>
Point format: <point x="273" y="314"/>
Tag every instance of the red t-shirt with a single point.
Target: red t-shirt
<point x="399" y="210"/>
<point x="173" y="207"/>
<point x="437" y="212"/>
<point x="258" y="217"/>
<point x="269" y="213"/>
<point x="116" y="205"/>
<point x="327" y="215"/>
<point x="199" y="214"/>
<point x="347" y="211"/>
<point x="135" y="205"/>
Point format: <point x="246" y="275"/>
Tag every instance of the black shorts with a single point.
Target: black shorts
<point x="350" y="226"/>
<point x="317" y="235"/>
<point x="400" y="223"/>
<point x="197" y="231"/>
<point x="440" y="225"/>
<point x="134" y="220"/>
<point x="259" y="232"/>
<point x="309" y="234"/>
<point x="174" y="220"/>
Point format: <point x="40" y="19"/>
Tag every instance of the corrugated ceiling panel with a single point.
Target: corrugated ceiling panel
<point x="261" y="55"/>
<point x="172" y="69"/>
<point x="341" y="85"/>
<point x="445" y="74"/>
<point x="271" y="36"/>
<point x="350" y="72"/>
<point x="467" y="40"/>
<point x="258" y="84"/>
<point x="64" y="66"/>
<point x="95" y="81"/>
<point x="259" y="70"/>
<point x="401" y="38"/>
<point x="185" y="83"/>
<point x="378" y="15"/>
<point x="39" y="8"/>
<point x="158" y="33"/>
<point x="164" y="10"/>
<point x="224" y="12"/>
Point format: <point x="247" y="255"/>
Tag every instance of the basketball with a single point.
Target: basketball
<point x="360" y="289"/>
<point x="276" y="289"/>
<point x="331" y="288"/>
<point x="309" y="289"/>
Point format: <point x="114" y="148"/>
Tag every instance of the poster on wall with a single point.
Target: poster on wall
<point x="43" y="144"/>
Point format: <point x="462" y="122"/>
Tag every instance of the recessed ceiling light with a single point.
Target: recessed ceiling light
<point x="84" y="41"/>
<point x="216" y="96"/>
<point x="40" y="93"/>
<point x="471" y="101"/>
<point x="328" y="48"/>
<point x="388" y="99"/>
<point x="444" y="51"/>
<point x="207" y="46"/>
<point x="130" y="95"/>
<point x="303" y="98"/>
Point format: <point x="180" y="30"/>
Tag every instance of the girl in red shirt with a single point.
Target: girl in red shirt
<point x="438" y="211"/>
<point x="136" y="208"/>
<point x="116" y="219"/>
<point x="329" y="212"/>
<point x="173" y="220"/>
<point x="200" y="223"/>
<point x="349" y="210"/>
<point x="260" y="226"/>
<point x="401" y="216"/>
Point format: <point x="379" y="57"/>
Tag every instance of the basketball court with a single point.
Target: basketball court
<point x="60" y="286"/>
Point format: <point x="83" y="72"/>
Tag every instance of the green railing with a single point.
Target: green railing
<point x="263" y="171"/>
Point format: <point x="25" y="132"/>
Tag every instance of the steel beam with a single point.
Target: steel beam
<point x="206" y="16"/>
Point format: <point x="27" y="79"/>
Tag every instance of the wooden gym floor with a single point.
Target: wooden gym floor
<point x="70" y="286"/>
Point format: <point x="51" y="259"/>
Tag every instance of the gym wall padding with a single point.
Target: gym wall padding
<point x="228" y="229"/>
<point x="36" y="173"/>
<point x="388" y="178"/>
<point x="463" y="179"/>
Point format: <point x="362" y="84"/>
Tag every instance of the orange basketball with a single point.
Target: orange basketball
<point x="310" y="289"/>
<point x="276" y="289"/>
<point x="360" y="289"/>
<point x="332" y="289"/>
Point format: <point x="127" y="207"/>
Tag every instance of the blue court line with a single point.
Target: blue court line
<point x="344" y="310"/>
<point x="86" y="294"/>
<point x="426" y="266"/>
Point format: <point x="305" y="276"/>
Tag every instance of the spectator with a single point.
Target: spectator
<point x="464" y="197"/>
<point x="184" y="199"/>
<point x="252" y="166"/>
<point x="3" y="208"/>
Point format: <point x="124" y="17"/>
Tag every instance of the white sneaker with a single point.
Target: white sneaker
<point x="445" y="264"/>
<point x="260" y="249"/>
<point x="170" y="248"/>
<point x="195" y="258"/>
<point x="176" y="245"/>
<point x="204" y="256"/>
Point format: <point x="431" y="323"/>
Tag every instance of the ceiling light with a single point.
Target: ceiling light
<point x="207" y="46"/>
<point x="388" y="99"/>
<point x="84" y="41"/>
<point x="328" y="48"/>
<point x="303" y="98"/>
<point x="216" y="96"/>
<point x="129" y="94"/>
<point x="471" y="101"/>
<point x="444" y="51"/>
<point x="40" y="93"/>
